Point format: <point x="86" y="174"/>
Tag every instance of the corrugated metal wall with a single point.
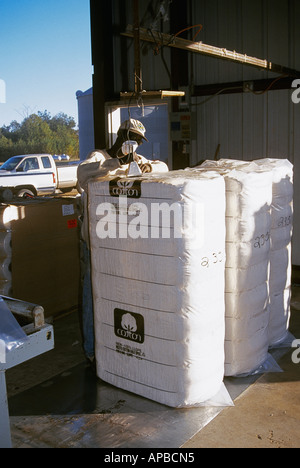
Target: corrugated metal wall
<point x="246" y="126"/>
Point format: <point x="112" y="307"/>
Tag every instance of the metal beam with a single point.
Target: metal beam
<point x="236" y="87"/>
<point x="210" y="51"/>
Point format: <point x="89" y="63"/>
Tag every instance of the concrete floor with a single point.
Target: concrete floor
<point x="56" y="401"/>
<point x="267" y="414"/>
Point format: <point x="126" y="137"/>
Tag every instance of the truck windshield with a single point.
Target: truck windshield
<point x="11" y="163"/>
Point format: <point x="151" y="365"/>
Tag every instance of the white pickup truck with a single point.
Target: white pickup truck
<point x="37" y="174"/>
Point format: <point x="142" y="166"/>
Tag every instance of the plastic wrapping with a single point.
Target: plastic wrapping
<point x="248" y="226"/>
<point x="268" y="366"/>
<point x="280" y="257"/>
<point x="11" y="334"/>
<point x="285" y="342"/>
<point x="159" y="286"/>
<point x="281" y="243"/>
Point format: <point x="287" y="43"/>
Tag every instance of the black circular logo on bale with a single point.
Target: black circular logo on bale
<point x="129" y="326"/>
<point x="125" y="188"/>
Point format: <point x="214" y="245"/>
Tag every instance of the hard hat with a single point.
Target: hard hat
<point x="134" y="126"/>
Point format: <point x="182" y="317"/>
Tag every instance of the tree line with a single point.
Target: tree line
<point x="40" y="133"/>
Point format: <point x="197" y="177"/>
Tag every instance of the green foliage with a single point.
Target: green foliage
<point x="40" y="133"/>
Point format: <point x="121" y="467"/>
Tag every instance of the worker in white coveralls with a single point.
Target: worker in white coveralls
<point x="101" y="163"/>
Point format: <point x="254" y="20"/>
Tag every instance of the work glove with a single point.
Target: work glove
<point x="145" y="168"/>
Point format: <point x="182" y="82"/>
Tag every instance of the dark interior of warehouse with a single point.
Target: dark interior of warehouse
<point x="155" y="304"/>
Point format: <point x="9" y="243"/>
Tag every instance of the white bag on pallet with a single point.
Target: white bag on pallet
<point x="281" y="241"/>
<point x="159" y="296"/>
<point x="248" y="224"/>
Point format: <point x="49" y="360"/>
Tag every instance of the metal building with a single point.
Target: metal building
<point x="233" y="110"/>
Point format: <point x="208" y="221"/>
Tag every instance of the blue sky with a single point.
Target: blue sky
<point x="45" y="56"/>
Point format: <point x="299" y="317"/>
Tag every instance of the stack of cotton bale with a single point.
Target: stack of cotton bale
<point x="158" y="264"/>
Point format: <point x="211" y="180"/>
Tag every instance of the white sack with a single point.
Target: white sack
<point x="159" y="303"/>
<point x="281" y="242"/>
<point x="280" y="257"/>
<point x="248" y="227"/>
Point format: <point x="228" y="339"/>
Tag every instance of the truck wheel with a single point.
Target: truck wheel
<point x="25" y="193"/>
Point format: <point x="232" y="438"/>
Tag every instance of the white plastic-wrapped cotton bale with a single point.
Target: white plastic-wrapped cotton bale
<point x="158" y="261"/>
<point x="248" y="224"/>
<point x="281" y="241"/>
